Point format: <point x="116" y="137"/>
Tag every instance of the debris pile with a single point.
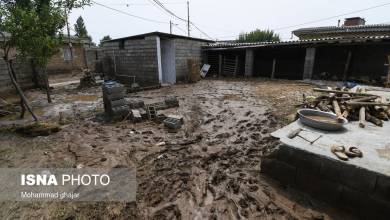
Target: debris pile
<point x="38" y="129"/>
<point x="88" y="80"/>
<point x="354" y="105"/>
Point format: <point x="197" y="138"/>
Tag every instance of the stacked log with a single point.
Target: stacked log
<point x="354" y="106"/>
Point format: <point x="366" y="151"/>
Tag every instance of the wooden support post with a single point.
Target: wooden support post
<point x="273" y="68"/>
<point x="236" y="67"/>
<point x="374" y="120"/>
<point x="219" y="65"/>
<point x="249" y="62"/>
<point x="346" y="67"/>
<point x="309" y="63"/>
<point x="387" y="83"/>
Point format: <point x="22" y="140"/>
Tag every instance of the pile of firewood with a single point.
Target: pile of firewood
<point x="354" y="106"/>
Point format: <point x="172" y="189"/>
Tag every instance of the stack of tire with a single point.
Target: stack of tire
<point x="115" y="104"/>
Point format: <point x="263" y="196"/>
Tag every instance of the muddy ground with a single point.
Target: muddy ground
<point x="210" y="169"/>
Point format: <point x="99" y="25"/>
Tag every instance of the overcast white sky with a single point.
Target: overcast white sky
<point x="223" y="19"/>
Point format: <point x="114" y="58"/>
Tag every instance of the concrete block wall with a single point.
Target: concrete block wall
<point x="186" y="49"/>
<point x="93" y="57"/>
<point x="24" y="76"/>
<point x="138" y="58"/>
<point x="363" y="192"/>
<point x="57" y="64"/>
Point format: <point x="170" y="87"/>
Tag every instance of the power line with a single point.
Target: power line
<point x="181" y="29"/>
<point x="131" y="15"/>
<point x="332" y="17"/>
<point x="322" y="19"/>
<point x="146" y="4"/>
<point x="167" y="10"/>
<point x="182" y="19"/>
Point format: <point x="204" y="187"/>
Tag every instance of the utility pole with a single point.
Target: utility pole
<point x="170" y="27"/>
<point x="188" y="18"/>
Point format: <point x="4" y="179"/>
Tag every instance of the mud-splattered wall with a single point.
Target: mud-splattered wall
<point x="24" y="76"/>
<point x="184" y="50"/>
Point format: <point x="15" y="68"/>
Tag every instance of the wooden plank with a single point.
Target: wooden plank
<point x="341" y="92"/>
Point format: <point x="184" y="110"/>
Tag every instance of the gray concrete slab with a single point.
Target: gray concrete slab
<point x="373" y="141"/>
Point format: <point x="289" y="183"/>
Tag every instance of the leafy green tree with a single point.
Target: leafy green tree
<point x="80" y="29"/>
<point x="258" y="36"/>
<point x="35" y="28"/>
<point x="105" y="38"/>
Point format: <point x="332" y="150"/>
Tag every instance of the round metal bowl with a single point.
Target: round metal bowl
<point x="321" y="120"/>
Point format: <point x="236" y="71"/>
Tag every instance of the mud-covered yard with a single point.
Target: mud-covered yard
<point x="210" y="169"/>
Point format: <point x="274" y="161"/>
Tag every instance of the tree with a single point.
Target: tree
<point x="105" y="38"/>
<point x="258" y="36"/>
<point x="80" y="29"/>
<point x="35" y="28"/>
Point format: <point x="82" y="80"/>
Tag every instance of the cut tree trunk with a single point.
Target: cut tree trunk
<point x="362" y="117"/>
<point x="376" y="121"/>
<point x="336" y="108"/>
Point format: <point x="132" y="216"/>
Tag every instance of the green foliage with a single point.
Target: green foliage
<point x="35" y="26"/>
<point x="80" y="29"/>
<point x="105" y="38"/>
<point x="258" y="36"/>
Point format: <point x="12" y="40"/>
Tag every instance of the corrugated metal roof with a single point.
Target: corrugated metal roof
<point x="295" y="42"/>
<point x="343" y="29"/>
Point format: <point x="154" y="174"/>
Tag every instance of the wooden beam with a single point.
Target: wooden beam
<point x="341" y="92"/>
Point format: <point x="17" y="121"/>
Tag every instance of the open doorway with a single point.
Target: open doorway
<point x="168" y="63"/>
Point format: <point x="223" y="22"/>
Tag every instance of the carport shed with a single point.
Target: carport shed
<point x="359" y="58"/>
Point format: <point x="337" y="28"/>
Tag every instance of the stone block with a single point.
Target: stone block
<point x="306" y="161"/>
<point x="134" y="104"/>
<point x="172" y="123"/>
<point x="331" y="169"/>
<point x="358" y="178"/>
<point x="284" y="154"/>
<point x="382" y="188"/>
<point x="364" y="205"/>
<point x="171" y="102"/>
<point x="317" y="187"/>
<point x="278" y="170"/>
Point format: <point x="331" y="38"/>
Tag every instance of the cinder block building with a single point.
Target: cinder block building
<point x="151" y="58"/>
